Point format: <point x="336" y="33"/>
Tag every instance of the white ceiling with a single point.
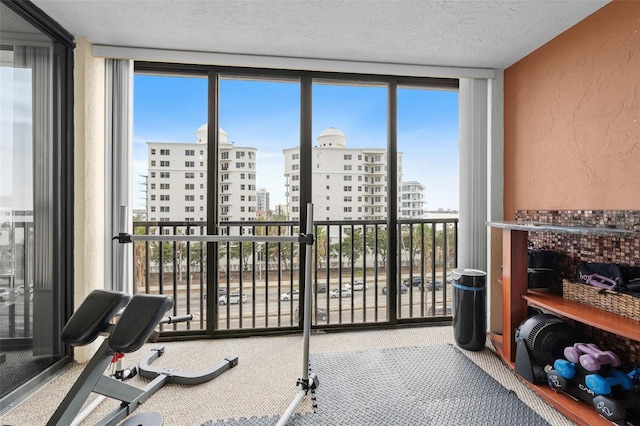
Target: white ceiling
<point x="472" y="33"/>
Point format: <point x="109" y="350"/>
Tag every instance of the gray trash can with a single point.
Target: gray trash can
<point x="470" y="308"/>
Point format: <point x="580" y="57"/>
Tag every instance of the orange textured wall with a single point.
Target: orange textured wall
<point x="572" y="118"/>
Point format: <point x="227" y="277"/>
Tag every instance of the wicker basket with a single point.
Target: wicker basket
<point x="617" y="303"/>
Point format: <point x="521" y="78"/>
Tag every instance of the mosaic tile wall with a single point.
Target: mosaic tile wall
<point x="591" y="248"/>
<point x="586" y="248"/>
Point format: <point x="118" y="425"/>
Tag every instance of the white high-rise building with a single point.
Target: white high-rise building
<point x="412" y="196"/>
<point x="177" y="180"/>
<point x="263" y="200"/>
<point x="348" y="183"/>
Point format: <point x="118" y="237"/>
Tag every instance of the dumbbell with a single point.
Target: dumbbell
<point x="559" y="377"/>
<point x="634" y="374"/>
<point x="556" y="381"/>
<point x="602" y="385"/>
<point x="565" y="368"/>
<point x="609" y="408"/>
<point x="590" y="356"/>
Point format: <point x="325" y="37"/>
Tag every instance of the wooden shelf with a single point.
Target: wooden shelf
<point x="516" y="297"/>
<point x="608" y="321"/>
<point x="577" y="411"/>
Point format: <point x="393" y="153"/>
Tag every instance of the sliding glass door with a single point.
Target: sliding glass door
<point x="35" y="200"/>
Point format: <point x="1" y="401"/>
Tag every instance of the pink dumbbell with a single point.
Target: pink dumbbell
<point x="590" y="357"/>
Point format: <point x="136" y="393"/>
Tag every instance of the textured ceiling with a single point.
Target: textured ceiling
<point x="474" y="33"/>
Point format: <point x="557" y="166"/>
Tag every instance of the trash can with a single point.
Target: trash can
<point x="469" y="308"/>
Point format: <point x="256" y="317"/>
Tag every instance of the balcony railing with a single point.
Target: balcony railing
<point x="256" y="286"/>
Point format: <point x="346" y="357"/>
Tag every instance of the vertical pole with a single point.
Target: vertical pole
<point x="306" y="330"/>
<point x="304" y="381"/>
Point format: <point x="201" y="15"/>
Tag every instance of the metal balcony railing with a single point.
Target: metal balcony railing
<point x="256" y="286"/>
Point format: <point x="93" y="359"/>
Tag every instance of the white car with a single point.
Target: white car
<point x="356" y="286"/>
<point x="234" y="299"/>
<point x="344" y="292"/>
<point x="293" y="295"/>
<point x="4" y="294"/>
<point x="20" y="289"/>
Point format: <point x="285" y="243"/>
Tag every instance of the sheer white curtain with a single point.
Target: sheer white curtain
<point x="472" y="237"/>
<point x="119" y="135"/>
<point x="39" y="60"/>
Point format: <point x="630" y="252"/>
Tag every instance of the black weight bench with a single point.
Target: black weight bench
<point x="141" y="315"/>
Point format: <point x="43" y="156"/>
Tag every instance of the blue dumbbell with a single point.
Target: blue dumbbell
<point x="602" y="385"/>
<point x="634" y="374"/>
<point x="565" y="368"/>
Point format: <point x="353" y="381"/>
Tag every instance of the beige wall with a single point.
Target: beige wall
<point x="89" y="177"/>
<point x="572" y="118"/>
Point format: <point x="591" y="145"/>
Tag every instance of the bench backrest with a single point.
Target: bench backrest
<point x="93" y="316"/>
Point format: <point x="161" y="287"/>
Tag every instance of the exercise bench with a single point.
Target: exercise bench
<point x="135" y="324"/>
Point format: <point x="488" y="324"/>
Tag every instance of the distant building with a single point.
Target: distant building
<point x="262" y="199"/>
<point x="280" y="210"/>
<point x="140" y="214"/>
<point x="177" y="180"/>
<point x="412" y="200"/>
<point x="348" y="183"/>
<point x="442" y="214"/>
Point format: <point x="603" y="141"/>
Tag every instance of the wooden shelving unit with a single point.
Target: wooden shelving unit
<point x="585" y="314"/>
<point x="516" y="297"/>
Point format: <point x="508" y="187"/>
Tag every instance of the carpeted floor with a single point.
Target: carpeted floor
<point x="263" y="384"/>
<point x="432" y="385"/>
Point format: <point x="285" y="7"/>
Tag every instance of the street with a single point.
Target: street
<point x="264" y="308"/>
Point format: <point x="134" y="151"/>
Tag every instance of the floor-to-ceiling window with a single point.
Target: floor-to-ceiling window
<point x="350" y="194"/>
<point x="427" y="133"/>
<point x="35" y="195"/>
<point x="274" y="140"/>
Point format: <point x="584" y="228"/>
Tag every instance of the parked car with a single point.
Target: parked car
<point x="356" y="286"/>
<point x="234" y="299"/>
<point x="293" y="295"/>
<point x="321" y="288"/>
<point x="413" y="282"/>
<point x="20" y="289"/>
<point x="439" y="311"/>
<point x="438" y="285"/>
<point x="402" y="287"/>
<point x="343" y="292"/>
<point x="222" y="291"/>
<point x="321" y="314"/>
<point x="4" y="294"/>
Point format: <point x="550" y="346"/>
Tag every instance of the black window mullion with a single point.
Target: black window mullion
<point x="392" y="200"/>
<point x="212" y="200"/>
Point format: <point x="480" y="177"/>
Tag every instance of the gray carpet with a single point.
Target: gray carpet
<point x="433" y="385"/>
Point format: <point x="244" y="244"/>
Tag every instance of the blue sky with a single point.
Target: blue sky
<point x="16" y="144"/>
<point x="265" y="115"/>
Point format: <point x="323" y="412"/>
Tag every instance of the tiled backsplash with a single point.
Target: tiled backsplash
<point x="622" y="219"/>
<point x="586" y="248"/>
<point x="591" y="248"/>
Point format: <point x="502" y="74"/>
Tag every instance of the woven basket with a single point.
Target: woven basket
<point x="610" y="301"/>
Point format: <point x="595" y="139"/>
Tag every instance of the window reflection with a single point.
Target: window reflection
<point x="29" y="341"/>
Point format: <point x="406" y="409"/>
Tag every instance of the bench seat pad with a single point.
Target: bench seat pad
<point x="139" y="319"/>
<point x="93" y="316"/>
